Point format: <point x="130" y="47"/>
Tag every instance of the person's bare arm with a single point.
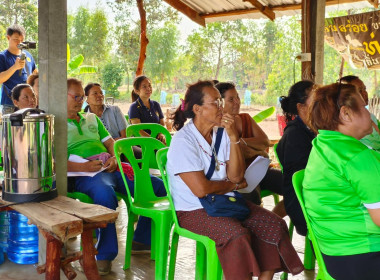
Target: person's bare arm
<point x="260" y="140"/>
<point x="89" y="166"/>
<point x="111" y="163"/>
<point x="142" y="132"/>
<point x="375" y="215"/>
<point x="200" y="186"/>
<point x="123" y="134"/>
<point x="5" y="75"/>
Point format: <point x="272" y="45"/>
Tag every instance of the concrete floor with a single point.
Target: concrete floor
<point x="141" y="265"/>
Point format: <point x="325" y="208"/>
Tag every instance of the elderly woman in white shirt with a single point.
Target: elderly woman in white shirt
<point x="257" y="246"/>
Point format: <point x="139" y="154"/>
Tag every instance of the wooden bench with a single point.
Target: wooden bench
<point x="60" y="219"/>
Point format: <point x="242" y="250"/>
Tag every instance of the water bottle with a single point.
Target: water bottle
<point x="22" y="240"/>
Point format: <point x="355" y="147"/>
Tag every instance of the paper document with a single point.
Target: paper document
<point x="75" y="158"/>
<point x="255" y="173"/>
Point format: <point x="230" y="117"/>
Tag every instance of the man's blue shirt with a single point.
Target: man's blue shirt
<point x="7" y="60"/>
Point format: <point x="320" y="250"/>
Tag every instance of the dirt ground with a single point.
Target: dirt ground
<point x="270" y="125"/>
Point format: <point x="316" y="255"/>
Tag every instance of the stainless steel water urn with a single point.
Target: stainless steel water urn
<point x="28" y="156"/>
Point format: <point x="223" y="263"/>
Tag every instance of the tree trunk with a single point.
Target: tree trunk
<point x="143" y="39"/>
<point x="219" y="60"/>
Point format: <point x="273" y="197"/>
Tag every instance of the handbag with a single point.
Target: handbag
<point x="221" y="205"/>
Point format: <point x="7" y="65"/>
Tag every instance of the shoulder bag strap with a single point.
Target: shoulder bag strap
<point x="218" y="139"/>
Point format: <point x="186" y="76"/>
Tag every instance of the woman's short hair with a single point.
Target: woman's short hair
<point x="90" y="86"/>
<point x="16" y="91"/>
<point x="74" y="81"/>
<point x="326" y="102"/>
<point x="194" y="95"/>
<point x="298" y="93"/>
<point x="32" y="79"/>
<point x="224" y="86"/>
<point x="136" y="86"/>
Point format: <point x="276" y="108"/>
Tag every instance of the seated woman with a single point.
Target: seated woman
<point x="111" y="116"/>
<point x="23" y="97"/>
<point x="88" y="138"/>
<point x="294" y="147"/>
<point x="33" y="81"/>
<point x="244" y="248"/>
<point x="144" y="110"/>
<point x="371" y="140"/>
<point x="253" y="142"/>
<point x="341" y="186"/>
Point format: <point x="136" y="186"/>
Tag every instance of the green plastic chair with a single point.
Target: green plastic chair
<point x="127" y="118"/>
<point x="145" y="202"/>
<point x="297" y="184"/>
<point x="154" y="128"/>
<point x="207" y="265"/>
<point x="264" y="114"/>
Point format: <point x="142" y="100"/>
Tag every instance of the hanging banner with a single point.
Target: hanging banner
<point x="356" y="38"/>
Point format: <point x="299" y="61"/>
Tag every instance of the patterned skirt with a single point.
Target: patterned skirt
<point x="245" y="248"/>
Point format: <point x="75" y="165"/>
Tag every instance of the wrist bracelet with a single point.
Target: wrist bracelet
<point x="236" y="142"/>
<point x="236" y="186"/>
<point x="243" y="141"/>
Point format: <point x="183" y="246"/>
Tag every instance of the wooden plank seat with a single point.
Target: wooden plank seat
<point x="60" y="219"/>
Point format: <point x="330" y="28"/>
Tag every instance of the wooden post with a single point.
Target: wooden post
<point x="313" y="20"/>
<point x="143" y="39"/>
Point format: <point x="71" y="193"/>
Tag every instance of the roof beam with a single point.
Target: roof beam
<point x="275" y="8"/>
<point x="265" y="10"/>
<point x="186" y="10"/>
<point x="374" y="3"/>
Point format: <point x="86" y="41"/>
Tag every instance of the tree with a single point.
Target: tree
<point x="22" y="12"/>
<point x="87" y="33"/>
<point x="112" y="76"/>
<point x="162" y="52"/>
<point x="75" y="67"/>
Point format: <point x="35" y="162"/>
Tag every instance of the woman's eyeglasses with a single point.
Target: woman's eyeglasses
<point x="77" y="98"/>
<point x="219" y="103"/>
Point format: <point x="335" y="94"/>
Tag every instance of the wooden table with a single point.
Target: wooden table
<point x="60" y="219"/>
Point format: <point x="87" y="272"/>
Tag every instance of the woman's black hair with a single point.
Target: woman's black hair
<point x="90" y="86"/>
<point x="297" y="94"/>
<point x="224" y="86"/>
<point x="136" y="86"/>
<point x="16" y="91"/>
<point x="194" y="95"/>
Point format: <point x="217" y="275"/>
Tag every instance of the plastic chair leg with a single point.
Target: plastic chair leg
<point x="162" y="246"/>
<point x="200" y="261"/>
<point x="129" y="239"/>
<point x="309" y="259"/>
<point x="153" y="240"/>
<point x="173" y="255"/>
<point x="213" y="265"/>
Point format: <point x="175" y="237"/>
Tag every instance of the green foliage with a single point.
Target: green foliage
<point x="112" y="76"/>
<point x="287" y="45"/>
<point x="87" y="34"/>
<point x="22" y="12"/>
<point x="75" y="67"/>
<point x="161" y="53"/>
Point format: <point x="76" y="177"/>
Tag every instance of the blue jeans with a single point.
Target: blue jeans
<point x="101" y="188"/>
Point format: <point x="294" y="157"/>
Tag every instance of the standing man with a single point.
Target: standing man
<point x="13" y="70"/>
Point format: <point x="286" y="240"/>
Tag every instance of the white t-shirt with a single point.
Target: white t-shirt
<point x="189" y="151"/>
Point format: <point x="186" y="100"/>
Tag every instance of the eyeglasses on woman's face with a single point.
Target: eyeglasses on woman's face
<point x="219" y="103"/>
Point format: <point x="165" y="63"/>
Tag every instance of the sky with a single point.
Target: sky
<point x="186" y="26"/>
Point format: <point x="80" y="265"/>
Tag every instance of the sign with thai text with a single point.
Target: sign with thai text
<point x="356" y="38"/>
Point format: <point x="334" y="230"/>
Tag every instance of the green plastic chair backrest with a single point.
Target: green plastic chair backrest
<point x="143" y="192"/>
<point x="154" y="128"/>
<point x="276" y="155"/>
<point x="161" y="157"/>
<point x="297" y="184"/>
<point x="264" y="114"/>
<point x="127" y="118"/>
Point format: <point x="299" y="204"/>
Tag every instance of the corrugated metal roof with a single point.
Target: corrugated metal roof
<point x="223" y="10"/>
